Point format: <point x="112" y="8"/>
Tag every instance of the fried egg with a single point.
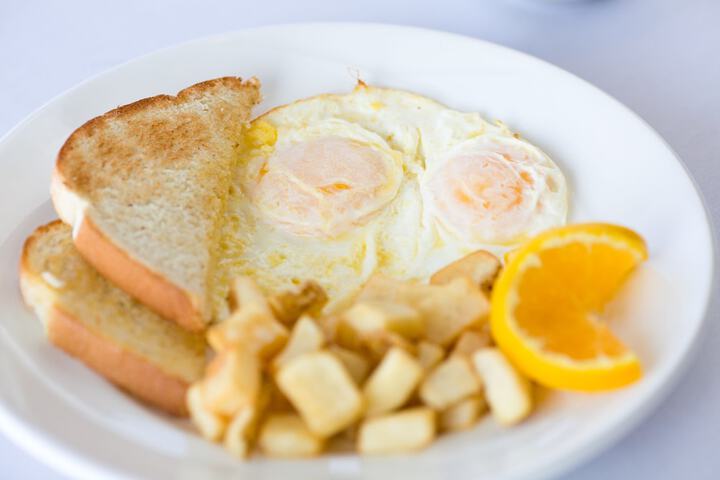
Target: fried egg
<point x="338" y="187"/>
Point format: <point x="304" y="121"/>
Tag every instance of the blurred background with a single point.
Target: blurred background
<point x="661" y="58"/>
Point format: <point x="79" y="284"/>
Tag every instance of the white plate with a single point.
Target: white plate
<point x="620" y="171"/>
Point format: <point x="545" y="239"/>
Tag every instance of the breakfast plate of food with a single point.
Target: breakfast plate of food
<point x="341" y="251"/>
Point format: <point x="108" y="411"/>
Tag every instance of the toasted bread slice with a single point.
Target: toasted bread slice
<point x="144" y="187"/>
<point x="91" y="319"/>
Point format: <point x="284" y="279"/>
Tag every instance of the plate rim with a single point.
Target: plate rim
<point x="73" y="462"/>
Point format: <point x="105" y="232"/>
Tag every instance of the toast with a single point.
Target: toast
<point x="144" y="186"/>
<point x="91" y="319"/>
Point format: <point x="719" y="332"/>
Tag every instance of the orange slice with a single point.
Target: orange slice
<point x="547" y="307"/>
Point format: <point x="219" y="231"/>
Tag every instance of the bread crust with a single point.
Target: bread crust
<point x="137" y="279"/>
<point x="125" y="369"/>
<point x="251" y="85"/>
<point x="151" y="288"/>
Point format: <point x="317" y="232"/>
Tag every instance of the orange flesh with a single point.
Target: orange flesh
<point x="561" y="304"/>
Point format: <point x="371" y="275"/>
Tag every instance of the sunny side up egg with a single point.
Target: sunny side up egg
<point x="338" y="187"/>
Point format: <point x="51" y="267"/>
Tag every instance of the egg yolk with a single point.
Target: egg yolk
<point x="487" y="193"/>
<point x="324" y="187"/>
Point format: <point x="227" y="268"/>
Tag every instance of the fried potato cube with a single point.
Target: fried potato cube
<point x="330" y="324"/>
<point x="306" y="336"/>
<point x="324" y="393"/>
<point x="446" y="309"/>
<point x="232" y="381"/>
<point x="252" y="328"/>
<point x="452" y="308"/>
<point x="481" y="267"/>
<point x="244" y="293"/>
<point x="366" y="318"/>
<point x="211" y="425"/>
<point x="308" y="298"/>
<point x="429" y="354"/>
<point x="378" y="344"/>
<point x="382" y="288"/>
<point x="448" y="383"/>
<point x="356" y="364"/>
<point x="276" y="399"/>
<point x="470" y="341"/>
<point x="392" y="382"/>
<point x="462" y="415"/>
<point x="506" y="389"/>
<point x="404" y="431"/>
<point x="240" y="433"/>
<point x="286" y="435"/>
<point x="375" y="327"/>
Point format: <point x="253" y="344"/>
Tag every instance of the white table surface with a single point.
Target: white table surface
<point x="659" y="57"/>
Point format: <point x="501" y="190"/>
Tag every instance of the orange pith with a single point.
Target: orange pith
<point x="547" y="306"/>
